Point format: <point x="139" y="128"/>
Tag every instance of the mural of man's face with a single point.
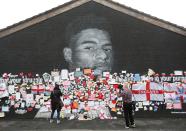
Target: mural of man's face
<point x="91" y="48"/>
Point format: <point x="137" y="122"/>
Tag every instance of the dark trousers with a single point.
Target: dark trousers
<point x="58" y="113"/>
<point x="128" y="107"/>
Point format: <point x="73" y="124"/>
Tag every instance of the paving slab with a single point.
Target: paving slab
<point x="143" y="124"/>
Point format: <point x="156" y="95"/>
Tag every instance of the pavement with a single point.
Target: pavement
<point x="142" y="124"/>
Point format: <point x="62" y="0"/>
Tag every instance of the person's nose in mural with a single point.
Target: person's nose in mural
<point x="90" y="47"/>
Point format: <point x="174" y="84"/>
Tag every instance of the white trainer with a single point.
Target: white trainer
<point x="51" y="120"/>
<point x="133" y="126"/>
<point x="58" y="121"/>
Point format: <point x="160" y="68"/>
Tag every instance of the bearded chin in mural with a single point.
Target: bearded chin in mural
<point x="89" y="44"/>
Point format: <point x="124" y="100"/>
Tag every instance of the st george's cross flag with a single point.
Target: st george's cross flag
<point x="175" y="91"/>
<point x="148" y="91"/>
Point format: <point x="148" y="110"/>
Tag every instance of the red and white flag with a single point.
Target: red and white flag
<point x="149" y="91"/>
<point x="176" y="92"/>
<point x="38" y="89"/>
<point x="139" y="92"/>
<point x="156" y="91"/>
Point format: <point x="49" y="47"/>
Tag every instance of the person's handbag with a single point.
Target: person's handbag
<point x="61" y="103"/>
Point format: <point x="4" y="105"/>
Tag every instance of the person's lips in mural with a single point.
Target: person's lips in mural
<point x="102" y="66"/>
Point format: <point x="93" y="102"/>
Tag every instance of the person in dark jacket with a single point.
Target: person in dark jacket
<point x="56" y="103"/>
<point x="128" y="107"/>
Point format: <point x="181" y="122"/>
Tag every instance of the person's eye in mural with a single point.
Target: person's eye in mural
<point x="107" y="49"/>
<point x="89" y="48"/>
<point x="89" y="44"/>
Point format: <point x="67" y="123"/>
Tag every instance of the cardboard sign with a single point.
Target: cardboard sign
<point x="11" y="89"/>
<point x="78" y="73"/>
<point x="18" y="95"/>
<point x="169" y="106"/>
<point x="178" y="72"/>
<point x="71" y="76"/>
<point x="78" y="69"/>
<point x="137" y="77"/>
<point x="23" y="104"/>
<point x="41" y="101"/>
<point x="64" y="74"/>
<point x="56" y="78"/>
<point x="12" y="102"/>
<point x="177" y="106"/>
<point x="3" y="90"/>
<point x="87" y="71"/>
<point x="46" y="77"/>
<point x="54" y="73"/>
<point x="140" y="105"/>
<point x="66" y="83"/>
<point x="106" y="74"/>
<point x="97" y="72"/>
<point x="146" y="103"/>
<point x="29" y="98"/>
<point x="5" y="109"/>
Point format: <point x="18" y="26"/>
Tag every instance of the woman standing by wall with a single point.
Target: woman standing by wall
<point x="56" y="103"/>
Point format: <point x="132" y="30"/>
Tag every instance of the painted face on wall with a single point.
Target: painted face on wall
<point x="91" y="48"/>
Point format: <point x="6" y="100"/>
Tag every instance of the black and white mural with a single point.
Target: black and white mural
<point x="95" y="36"/>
